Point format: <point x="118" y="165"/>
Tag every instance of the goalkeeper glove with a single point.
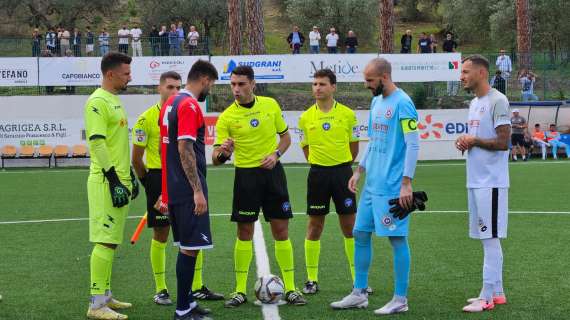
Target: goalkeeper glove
<point x="135" y="183"/>
<point x="418" y="203"/>
<point x="119" y="193"/>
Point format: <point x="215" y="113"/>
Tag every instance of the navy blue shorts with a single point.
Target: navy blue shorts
<point x="189" y="231"/>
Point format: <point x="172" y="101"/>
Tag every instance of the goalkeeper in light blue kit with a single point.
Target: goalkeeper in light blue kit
<point x="389" y="161"/>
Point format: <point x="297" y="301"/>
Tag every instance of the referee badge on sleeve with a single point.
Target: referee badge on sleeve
<point x="140" y="135"/>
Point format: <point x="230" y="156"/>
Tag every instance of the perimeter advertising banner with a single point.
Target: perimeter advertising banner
<point x="300" y="68"/>
<point x="16" y="72"/>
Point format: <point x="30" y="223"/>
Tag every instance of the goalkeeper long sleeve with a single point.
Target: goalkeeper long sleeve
<point x="100" y="153"/>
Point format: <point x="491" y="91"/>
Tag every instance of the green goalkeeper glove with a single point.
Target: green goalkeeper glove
<point x="135" y="183"/>
<point x="119" y="192"/>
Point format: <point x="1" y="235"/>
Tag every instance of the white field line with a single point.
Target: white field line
<point x="270" y="311"/>
<point x="296" y="213"/>
<point x="227" y="168"/>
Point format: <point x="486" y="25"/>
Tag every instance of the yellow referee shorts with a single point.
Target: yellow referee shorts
<point x="106" y="223"/>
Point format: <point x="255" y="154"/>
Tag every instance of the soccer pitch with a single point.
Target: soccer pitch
<point x="44" y="262"/>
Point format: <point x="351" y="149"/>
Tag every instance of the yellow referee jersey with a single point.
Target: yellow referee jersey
<point x="146" y="134"/>
<point x="328" y="135"/>
<point x="254" y="130"/>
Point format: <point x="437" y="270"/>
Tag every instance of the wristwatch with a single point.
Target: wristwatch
<point x="278" y="153"/>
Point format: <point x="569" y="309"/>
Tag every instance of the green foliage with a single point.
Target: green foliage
<point x="209" y="16"/>
<point x="357" y="15"/>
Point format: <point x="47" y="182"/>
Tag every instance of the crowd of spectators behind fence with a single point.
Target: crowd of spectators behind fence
<point x="166" y="41"/>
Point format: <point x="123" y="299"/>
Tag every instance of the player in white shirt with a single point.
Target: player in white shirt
<point x="136" y="34"/>
<point x="487" y="146"/>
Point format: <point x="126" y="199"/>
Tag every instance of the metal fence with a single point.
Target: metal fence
<point x="551" y="70"/>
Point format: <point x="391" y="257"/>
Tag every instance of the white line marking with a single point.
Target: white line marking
<point x="295" y="213"/>
<point x="210" y="168"/>
<point x="270" y="311"/>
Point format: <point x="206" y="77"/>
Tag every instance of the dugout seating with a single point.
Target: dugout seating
<point x="61" y="151"/>
<point x="45" y="152"/>
<point x="79" y="151"/>
<point x="27" y="152"/>
<point x="8" y="152"/>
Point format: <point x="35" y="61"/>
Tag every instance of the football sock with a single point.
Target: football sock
<point x="492" y="268"/>
<point x="185" y="265"/>
<point x="284" y="256"/>
<point x="401" y="251"/>
<point x="101" y="262"/>
<point x="362" y="258"/>
<point x="158" y="263"/>
<point x="197" y="283"/>
<point x="242" y="258"/>
<point x="349" y="250"/>
<point x="312" y="252"/>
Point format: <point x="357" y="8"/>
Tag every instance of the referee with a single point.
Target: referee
<point x="330" y="144"/>
<point x="251" y="125"/>
<point x="146" y="138"/>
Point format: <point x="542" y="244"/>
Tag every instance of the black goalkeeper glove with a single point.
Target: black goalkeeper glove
<point x="119" y="192"/>
<point x="418" y="203"/>
<point x="135" y="183"/>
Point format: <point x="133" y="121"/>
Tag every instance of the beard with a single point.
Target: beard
<point x="203" y="95"/>
<point x="378" y="90"/>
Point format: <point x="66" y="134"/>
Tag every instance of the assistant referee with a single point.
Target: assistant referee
<point x="330" y="144"/>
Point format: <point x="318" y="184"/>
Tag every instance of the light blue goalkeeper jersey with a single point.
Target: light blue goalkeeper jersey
<point x="387" y="147"/>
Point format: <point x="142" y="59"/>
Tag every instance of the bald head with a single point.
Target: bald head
<point x="379" y="67"/>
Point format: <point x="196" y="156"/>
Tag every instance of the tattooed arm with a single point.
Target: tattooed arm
<point x="188" y="160"/>
<point x="501" y="142"/>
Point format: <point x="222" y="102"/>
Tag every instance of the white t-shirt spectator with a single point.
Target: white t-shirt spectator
<point x="314" y="38"/>
<point x="332" y="40"/>
<point x="193" y="37"/>
<point x="136" y="34"/>
<point x="124" y="33"/>
<point x="64" y="38"/>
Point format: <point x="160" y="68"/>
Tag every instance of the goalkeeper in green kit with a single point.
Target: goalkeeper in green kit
<point x="111" y="183"/>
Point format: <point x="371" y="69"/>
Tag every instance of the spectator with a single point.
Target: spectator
<point x="504" y="64"/>
<point x="332" y="41"/>
<point x="51" y="39"/>
<point x="136" y="34"/>
<point x="518" y="127"/>
<point x="498" y="82"/>
<point x="527" y="80"/>
<point x="164" y="41"/>
<point x="296" y="40"/>
<point x="406" y="42"/>
<point x="314" y="40"/>
<point x="154" y="37"/>
<point x="103" y="42"/>
<point x="181" y="38"/>
<point x="69" y="89"/>
<point x="539" y="138"/>
<point x="58" y="41"/>
<point x="36" y="43"/>
<point x="433" y="40"/>
<point x="449" y="45"/>
<point x="351" y="42"/>
<point x="553" y="138"/>
<point x="173" y="41"/>
<point x="89" y="42"/>
<point x="424" y="44"/>
<point x="124" y="35"/>
<point x="76" y="42"/>
<point x="193" y="37"/>
<point x="64" y="37"/>
<point x="48" y="54"/>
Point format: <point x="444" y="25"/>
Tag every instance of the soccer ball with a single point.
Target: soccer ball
<point x="269" y="289"/>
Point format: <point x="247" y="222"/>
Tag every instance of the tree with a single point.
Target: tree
<point x="386" y="14"/>
<point x="344" y="15"/>
<point x="523" y="33"/>
<point x="255" y="31"/>
<point x="234" y="26"/>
